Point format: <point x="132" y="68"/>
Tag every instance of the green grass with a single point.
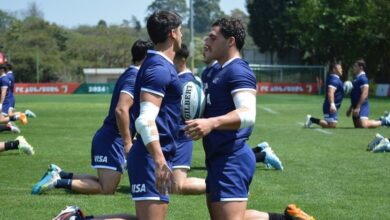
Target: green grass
<point x="330" y="176"/>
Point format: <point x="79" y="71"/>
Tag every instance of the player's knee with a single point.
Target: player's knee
<point x="108" y="190"/>
<point x="364" y="124"/>
<point x="178" y="188"/>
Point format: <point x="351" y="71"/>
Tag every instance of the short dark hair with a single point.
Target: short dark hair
<point x="333" y="65"/>
<point x="160" y="23"/>
<point x="183" y="52"/>
<point x="139" y="50"/>
<point x="361" y="63"/>
<point x="232" y="27"/>
<point x="3" y="67"/>
<point x="8" y="65"/>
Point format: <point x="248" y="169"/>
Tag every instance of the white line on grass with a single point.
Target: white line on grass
<point x="269" y="110"/>
<point x="323" y="131"/>
<point x="317" y="129"/>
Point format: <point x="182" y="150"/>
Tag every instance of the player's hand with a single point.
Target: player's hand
<point x="333" y="108"/>
<point x="127" y="146"/>
<point x="349" y="111"/>
<point x="356" y="112"/>
<point x="164" y="179"/>
<point x="198" y="128"/>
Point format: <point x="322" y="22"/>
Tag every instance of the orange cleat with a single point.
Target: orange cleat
<point x="23" y="118"/>
<point x="295" y="213"/>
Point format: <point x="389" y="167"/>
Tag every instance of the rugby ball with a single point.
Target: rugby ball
<point x="347" y="87"/>
<point x="192" y="100"/>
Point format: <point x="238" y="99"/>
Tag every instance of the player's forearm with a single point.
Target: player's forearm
<point x="363" y="97"/>
<point x="154" y="148"/>
<point x="2" y="96"/>
<point x="331" y="96"/>
<point x="123" y="122"/>
<point x="230" y="121"/>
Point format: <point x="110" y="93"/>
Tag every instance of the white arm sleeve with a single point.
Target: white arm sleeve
<point x="245" y="102"/>
<point x="146" y="122"/>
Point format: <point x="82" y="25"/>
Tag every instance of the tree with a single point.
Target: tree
<point x="33" y="11"/>
<point x="205" y="12"/>
<point x="179" y="6"/>
<point x="102" y="24"/>
<point x="136" y="24"/>
<point x="5" y="20"/>
<point x="29" y="40"/>
<point x="268" y="25"/>
<point x="237" y="13"/>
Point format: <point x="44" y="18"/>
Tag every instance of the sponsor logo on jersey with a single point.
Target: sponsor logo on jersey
<point x="101" y="159"/>
<point x="138" y="188"/>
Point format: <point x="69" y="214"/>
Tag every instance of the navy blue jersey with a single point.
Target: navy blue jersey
<point x="158" y="76"/>
<point x="124" y="84"/>
<point x="358" y="83"/>
<point x="220" y="84"/>
<point x="333" y="80"/>
<point x="5" y="83"/>
<point x="208" y="71"/>
<point x="11" y="77"/>
<point x="184" y="77"/>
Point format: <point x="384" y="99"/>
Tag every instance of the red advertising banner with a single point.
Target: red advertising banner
<point x="45" y="88"/>
<point x="293" y="88"/>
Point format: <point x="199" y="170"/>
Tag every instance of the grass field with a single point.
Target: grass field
<point x="327" y="172"/>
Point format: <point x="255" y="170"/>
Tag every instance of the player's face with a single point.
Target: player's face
<point x="338" y="70"/>
<point x="216" y="44"/>
<point x="356" y="69"/>
<point x="206" y="53"/>
<point x="177" y="35"/>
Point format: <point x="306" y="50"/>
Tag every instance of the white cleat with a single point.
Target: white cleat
<point x="13" y="127"/>
<point x="307" y="122"/>
<point x="24" y="146"/>
<point x="382" y="146"/>
<point x="30" y="114"/>
<point x="55" y="168"/>
<point x="374" y="142"/>
<point x="70" y="212"/>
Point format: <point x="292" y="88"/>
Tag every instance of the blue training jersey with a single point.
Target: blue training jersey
<point x="333" y="80"/>
<point x="11" y="77"/>
<point x="184" y="77"/>
<point x="158" y="76"/>
<point x="358" y="83"/>
<point x="124" y="84"/>
<point x="5" y="82"/>
<point x="220" y="83"/>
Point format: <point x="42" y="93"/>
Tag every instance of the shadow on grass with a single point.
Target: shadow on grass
<point x="123" y="189"/>
<point x="198" y="168"/>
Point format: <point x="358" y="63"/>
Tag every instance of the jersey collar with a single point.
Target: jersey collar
<point x="161" y="54"/>
<point x="335" y="75"/>
<point x="184" y="71"/>
<point x="361" y="73"/>
<point x="229" y="61"/>
<point x="135" y="67"/>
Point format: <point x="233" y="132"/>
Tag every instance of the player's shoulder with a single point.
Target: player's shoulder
<point x="362" y="78"/>
<point x="239" y="68"/>
<point x="4" y="78"/>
